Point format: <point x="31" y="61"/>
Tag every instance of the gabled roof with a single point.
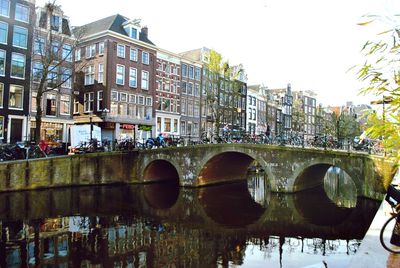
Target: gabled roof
<point x="112" y="23"/>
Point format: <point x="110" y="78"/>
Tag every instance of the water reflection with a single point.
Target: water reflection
<point x="340" y="188"/>
<point x="160" y="225"/>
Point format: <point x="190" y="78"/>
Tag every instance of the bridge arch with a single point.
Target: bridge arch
<point x="160" y="170"/>
<point x="228" y="164"/>
<point x="312" y="175"/>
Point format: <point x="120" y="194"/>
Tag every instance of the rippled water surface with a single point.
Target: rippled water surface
<point x="162" y="225"/>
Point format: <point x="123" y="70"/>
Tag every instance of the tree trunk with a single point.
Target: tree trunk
<point x="38" y="116"/>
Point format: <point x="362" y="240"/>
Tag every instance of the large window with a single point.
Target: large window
<point x="100" y="101"/>
<point x="65" y="104"/>
<point x="120" y="77"/>
<point x="90" y="51"/>
<point x="184" y="70"/>
<point x="145" y="57"/>
<point x="37" y="71"/>
<point x="100" y="74"/>
<point x="22" y="13"/>
<point x="20" y="37"/>
<point x="133" y="54"/>
<point x="145" y="80"/>
<point x="16" y="97"/>
<point x="3" y="32"/>
<point x="88" y="101"/>
<point x="197" y="74"/>
<point x="52" y="76"/>
<point x="1" y="127"/>
<point x="191" y="72"/>
<point x="89" y="75"/>
<point x="5" y="8"/>
<point x="121" y="51"/>
<point x="101" y="48"/>
<point x="17" y="65"/>
<point x="132" y="77"/>
<point x="66" y="77"/>
<point x="55" y="46"/>
<point x="2" y="62"/>
<point x="67" y="52"/>
<point x="55" y="23"/>
<point x="38" y="46"/>
<point x="51" y="104"/>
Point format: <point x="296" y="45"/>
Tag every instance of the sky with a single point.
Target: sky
<point x="310" y="44"/>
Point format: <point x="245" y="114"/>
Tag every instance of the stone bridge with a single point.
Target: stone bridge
<point x="289" y="169"/>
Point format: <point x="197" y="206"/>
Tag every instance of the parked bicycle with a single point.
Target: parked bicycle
<point x="393" y="198"/>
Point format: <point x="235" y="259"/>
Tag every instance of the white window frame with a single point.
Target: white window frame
<point x="133" y="74"/>
<point x="113" y="92"/>
<point x="100" y="98"/>
<point x="1" y="95"/>
<point x="90" y="51"/>
<point x="101" y="48"/>
<point x="16" y="77"/>
<point x="147" y="62"/>
<point x="123" y="97"/>
<point x="62" y="102"/>
<point x="6" y="32"/>
<point x="145" y="81"/>
<point x="100" y="73"/>
<point x="23" y="6"/>
<point x="76" y="105"/>
<point x="88" y="98"/>
<point x="119" y="46"/>
<point x="5" y="62"/>
<point x="89" y="76"/>
<point x="122" y="73"/>
<point x="78" y="54"/>
<point x="67" y="56"/>
<point x="26" y="37"/>
<point x="22" y="98"/>
<point x="133" y="51"/>
<point x="9" y="8"/>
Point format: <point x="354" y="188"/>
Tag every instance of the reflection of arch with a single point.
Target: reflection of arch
<point x="230" y="205"/>
<point x="160" y="170"/>
<point x="316" y="208"/>
<point x="227" y="165"/>
<point x="161" y="195"/>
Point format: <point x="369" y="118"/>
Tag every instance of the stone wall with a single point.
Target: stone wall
<point x="84" y="169"/>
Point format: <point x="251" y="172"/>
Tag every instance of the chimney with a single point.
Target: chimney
<point x="145" y="31"/>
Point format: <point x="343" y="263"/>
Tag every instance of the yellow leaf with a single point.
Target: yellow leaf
<point x="365" y="23"/>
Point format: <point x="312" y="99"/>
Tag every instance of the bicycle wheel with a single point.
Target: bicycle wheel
<point x="382" y="236"/>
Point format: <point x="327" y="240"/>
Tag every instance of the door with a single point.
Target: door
<point x="16" y="130"/>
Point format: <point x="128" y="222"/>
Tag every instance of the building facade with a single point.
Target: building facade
<point x="16" y="31"/>
<point x="167" y="101"/>
<point x="52" y="57"/>
<point x="117" y="65"/>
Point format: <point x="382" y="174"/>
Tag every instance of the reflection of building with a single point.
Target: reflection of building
<point x="56" y="103"/>
<point x="117" y="79"/>
<point x="16" y="20"/>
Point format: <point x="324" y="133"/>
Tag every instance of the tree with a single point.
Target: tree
<point x="220" y="77"/>
<point x="52" y="59"/>
<point x="381" y="73"/>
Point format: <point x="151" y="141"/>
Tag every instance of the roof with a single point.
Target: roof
<point x="111" y="23"/>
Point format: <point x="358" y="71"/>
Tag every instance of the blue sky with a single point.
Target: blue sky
<point x="309" y="43"/>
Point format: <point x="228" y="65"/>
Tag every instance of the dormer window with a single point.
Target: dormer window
<point x="132" y="28"/>
<point x="55" y="23"/>
<point x="133" y="33"/>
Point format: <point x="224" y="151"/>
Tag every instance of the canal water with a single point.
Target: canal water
<point x="161" y="225"/>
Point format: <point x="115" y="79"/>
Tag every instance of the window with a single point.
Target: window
<point x="38" y="46"/>
<point x="76" y="106"/>
<point x="1" y="94"/>
<point x="2" y="62"/>
<point x="197" y="74"/>
<point x="67" y="52"/>
<point x="132" y="98"/>
<point x="90" y="51"/>
<point x="184" y="70"/>
<point x="3" y="32"/>
<point x="20" y="37"/>
<point x="133" y="33"/>
<point x="55" y="23"/>
<point x="184" y="86"/>
<point x="18" y="65"/>
<point x="22" y="13"/>
<point x="5" y="8"/>
<point x="66" y="77"/>
<point x="78" y="54"/>
<point x="190" y="88"/>
<point x="99" y="100"/>
<point x="148" y="101"/>
<point x="141" y="100"/>
<point x="183" y="106"/>
<point x="51" y="104"/>
<point x="101" y="48"/>
<point x="114" y="95"/>
<point x="133" y="54"/>
<point x="145" y="57"/>
<point x="120" y="77"/>
<point x="132" y="77"/>
<point x="121" y="51"/>
<point x="145" y="80"/>
<point x="100" y="74"/>
<point x="65" y="104"/>
<point x="123" y="97"/>
<point x="52" y="76"/>
<point x="54" y="49"/>
<point x="89" y="75"/>
<point x="15" y="100"/>
<point x="191" y="72"/>
<point x="88" y="99"/>
<point x="37" y="71"/>
<point x="197" y="90"/>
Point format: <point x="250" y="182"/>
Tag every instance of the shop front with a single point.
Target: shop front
<point x="52" y="132"/>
